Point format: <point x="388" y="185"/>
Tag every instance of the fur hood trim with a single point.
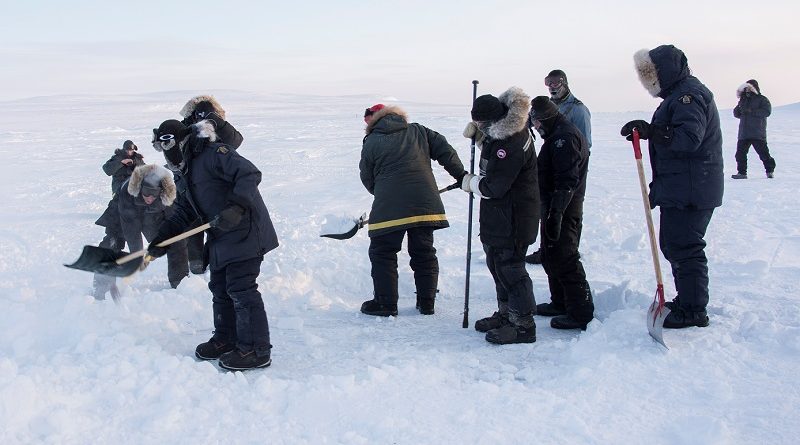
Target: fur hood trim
<point x="646" y="69"/>
<point x="153" y="172"/>
<point x="519" y="105"/>
<point x="389" y="109"/>
<point x="206" y="129"/>
<point x="746" y="87"/>
<point x="188" y="109"/>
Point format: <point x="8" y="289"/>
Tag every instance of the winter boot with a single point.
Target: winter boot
<point x="679" y="318"/>
<point x="242" y="361"/>
<point x="520" y="329"/>
<point x="212" y="349"/>
<point x="770" y="175"/>
<point x="739" y="176"/>
<point x="566" y="322"/>
<point x="374" y="307"/>
<point x="497" y="320"/>
<point x="426" y="300"/>
<point x="550" y="310"/>
<point x="196" y="267"/>
<point x="534" y="258"/>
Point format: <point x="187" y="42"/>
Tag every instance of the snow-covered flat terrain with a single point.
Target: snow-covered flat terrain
<point x="73" y="370"/>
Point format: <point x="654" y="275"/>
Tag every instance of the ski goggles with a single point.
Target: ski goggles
<point x="553" y="82"/>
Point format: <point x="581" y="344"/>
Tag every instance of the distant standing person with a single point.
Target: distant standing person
<point x="575" y="111"/>
<point x="120" y="166"/>
<point x="686" y="157"/>
<point x="509" y="210"/>
<point x="395" y="167"/>
<point x="752" y="111"/>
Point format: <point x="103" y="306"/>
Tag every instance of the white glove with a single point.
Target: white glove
<point x="470" y="184"/>
<point x="471" y="130"/>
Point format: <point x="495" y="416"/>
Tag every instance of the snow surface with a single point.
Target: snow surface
<point x="73" y="370"/>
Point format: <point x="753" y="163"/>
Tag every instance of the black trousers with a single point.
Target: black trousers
<point x="383" y="256"/>
<point x="562" y="263"/>
<point x="511" y="280"/>
<point x="681" y="238"/>
<point x="239" y="314"/>
<point x="743" y="146"/>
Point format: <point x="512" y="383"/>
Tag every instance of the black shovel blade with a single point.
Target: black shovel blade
<point x="103" y="261"/>
<point x="346" y="235"/>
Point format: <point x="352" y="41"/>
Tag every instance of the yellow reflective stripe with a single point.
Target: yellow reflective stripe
<point x="409" y="220"/>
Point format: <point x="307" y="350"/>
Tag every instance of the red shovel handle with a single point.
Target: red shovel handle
<point x="637" y="148"/>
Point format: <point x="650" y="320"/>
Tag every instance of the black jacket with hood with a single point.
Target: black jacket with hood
<point x="687" y="166"/>
<point x="752" y="111"/>
<point x="226" y="132"/>
<point x="509" y="213"/>
<point x="118" y="171"/>
<point x="395" y="166"/>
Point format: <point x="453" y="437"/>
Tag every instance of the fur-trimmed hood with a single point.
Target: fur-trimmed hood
<point x="205" y="129"/>
<point x="519" y="104"/>
<point x="153" y="174"/>
<point x="659" y="69"/>
<point x="190" y="106"/>
<point x="747" y="86"/>
<point x="385" y="111"/>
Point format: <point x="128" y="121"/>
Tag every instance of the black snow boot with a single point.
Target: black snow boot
<point x="739" y="176"/>
<point x="425" y="301"/>
<point x="549" y="310"/>
<point x="374" y="307"/>
<point x="197" y="267"/>
<point x="566" y="322"/>
<point x="242" y="361"/>
<point x="534" y="258"/>
<point x="497" y="320"/>
<point x="509" y="334"/>
<point x="212" y="349"/>
<point x="679" y="318"/>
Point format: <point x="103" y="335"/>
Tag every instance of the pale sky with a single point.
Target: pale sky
<point x="422" y="51"/>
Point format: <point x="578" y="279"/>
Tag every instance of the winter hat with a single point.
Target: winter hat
<point x="373" y="109"/>
<point x="555" y="74"/>
<point x="153" y="180"/>
<point x="172" y="129"/>
<point x="542" y="108"/>
<point x="488" y="108"/>
<point x="129" y="145"/>
<point x="755" y="85"/>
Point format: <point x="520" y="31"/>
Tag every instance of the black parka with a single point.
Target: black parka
<point x="395" y="166"/>
<point x="118" y="171"/>
<point x="563" y="160"/>
<point x="752" y="112"/>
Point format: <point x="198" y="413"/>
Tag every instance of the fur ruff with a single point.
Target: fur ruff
<point x="746" y="87"/>
<point x="188" y="109"/>
<point x="646" y="69"/>
<point x="519" y="104"/>
<point x="389" y="109"/>
<point x="168" y="189"/>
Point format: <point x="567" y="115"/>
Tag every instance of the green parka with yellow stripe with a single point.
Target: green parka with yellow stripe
<point x="396" y="168"/>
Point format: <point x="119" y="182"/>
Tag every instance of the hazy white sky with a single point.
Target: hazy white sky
<point x="413" y="50"/>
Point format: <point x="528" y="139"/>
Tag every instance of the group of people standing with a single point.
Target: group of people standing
<point x="522" y="196"/>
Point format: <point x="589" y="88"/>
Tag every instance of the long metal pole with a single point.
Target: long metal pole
<point x="465" y="323"/>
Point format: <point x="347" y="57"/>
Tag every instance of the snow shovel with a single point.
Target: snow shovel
<point x="119" y="264"/>
<point x="657" y="311"/>
<point x="363" y="221"/>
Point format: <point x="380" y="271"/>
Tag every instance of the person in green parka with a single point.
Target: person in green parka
<point x="395" y="167"/>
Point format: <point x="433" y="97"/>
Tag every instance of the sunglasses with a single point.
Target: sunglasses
<point x="166" y="137"/>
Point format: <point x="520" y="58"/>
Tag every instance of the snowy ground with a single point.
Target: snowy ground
<point x="73" y="370"/>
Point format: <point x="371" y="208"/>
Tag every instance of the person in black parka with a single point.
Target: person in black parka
<point x="120" y="166"/>
<point x="752" y="111"/>
<point x="222" y="189"/>
<point x="685" y="145"/>
<point x="395" y="166"/>
<point x="563" y="166"/>
<point x="509" y="209"/>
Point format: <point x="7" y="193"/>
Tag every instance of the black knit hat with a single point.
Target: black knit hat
<point x="755" y="85"/>
<point x="488" y="108"/>
<point x="558" y="73"/>
<point x="129" y="145"/>
<point x="172" y="129"/>
<point x="542" y="108"/>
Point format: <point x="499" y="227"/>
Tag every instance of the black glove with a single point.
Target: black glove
<point x="153" y="250"/>
<point x="559" y="203"/>
<point x="642" y="126"/>
<point x="460" y="177"/>
<point x="228" y="218"/>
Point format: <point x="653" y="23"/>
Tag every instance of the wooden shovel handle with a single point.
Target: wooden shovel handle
<point x="165" y="243"/>
<point x="648" y="214"/>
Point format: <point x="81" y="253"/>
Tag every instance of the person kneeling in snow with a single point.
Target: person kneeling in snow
<point x="509" y="213"/>
<point x="222" y="189"/>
